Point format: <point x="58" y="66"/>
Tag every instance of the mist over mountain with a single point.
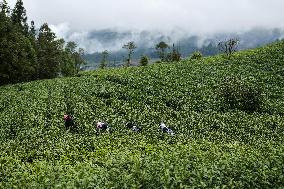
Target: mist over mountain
<point x="190" y="24"/>
<point x="112" y="40"/>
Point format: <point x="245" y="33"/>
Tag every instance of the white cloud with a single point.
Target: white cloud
<point x="62" y="30"/>
<point x="74" y="19"/>
<point x="203" y="16"/>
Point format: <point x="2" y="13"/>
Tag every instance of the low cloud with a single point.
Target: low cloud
<point x="76" y="20"/>
<point x="113" y="40"/>
<point x="202" y="16"/>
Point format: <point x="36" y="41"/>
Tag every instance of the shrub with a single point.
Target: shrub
<point x="196" y="55"/>
<point x="144" y="60"/>
<point x="174" y="56"/>
<point x="236" y="94"/>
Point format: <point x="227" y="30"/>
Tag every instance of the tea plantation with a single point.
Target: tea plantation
<point x="227" y="113"/>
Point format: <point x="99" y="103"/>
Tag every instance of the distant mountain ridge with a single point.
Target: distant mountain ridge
<point x="112" y="41"/>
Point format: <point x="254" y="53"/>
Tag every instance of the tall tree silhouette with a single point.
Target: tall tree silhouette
<point x="130" y="47"/>
<point x="161" y="49"/>
<point x="48" y="53"/>
<point x="104" y="59"/>
<point x="19" y="16"/>
<point x="4" y="8"/>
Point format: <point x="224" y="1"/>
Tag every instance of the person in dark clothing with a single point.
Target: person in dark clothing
<point x="68" y="121"/>
<point x="103" y="126"/>
<point x="165" y="129"/>
<point x="131" y="126"/>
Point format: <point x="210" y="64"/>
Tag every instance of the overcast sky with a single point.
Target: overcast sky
<point x="74" y="19"/>
<point x="203" y="16"/>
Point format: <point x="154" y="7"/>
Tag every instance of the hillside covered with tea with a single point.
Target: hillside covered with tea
<point x="226" y="112"/>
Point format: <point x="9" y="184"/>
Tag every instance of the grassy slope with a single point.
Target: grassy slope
<point x="212" y="147"/>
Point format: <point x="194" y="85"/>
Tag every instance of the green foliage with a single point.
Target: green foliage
<point x="237" y="94"/>
<point x="67" y="65"/>
<point x="26" y="56"/>
<point x="211" y="148"/>
<point x="173" y="56"/>
<point x="196" y="56"/>
<point x="144" y="61"/>
<point x="130" y="47"/>
<point x="4" y="8"/>
<point x="104" y="60"/>
<point x="79" y="61"/>
<point x="48" y="53"/>
<point x="162" y="50"/>
<point x="32" y="31"/>
<point x="19" y="17"/>
<point x="71" y="59"/>
<point x="53" y="58"/>
<point x="18" y="58"/>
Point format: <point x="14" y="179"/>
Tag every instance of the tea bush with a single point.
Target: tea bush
<point x="211" y="149"/>
<point x="144" y="60"/>
<point x="196" y="56"/>
<point x="237" y="94"/>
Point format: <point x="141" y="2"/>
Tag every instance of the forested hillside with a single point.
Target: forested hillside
<point x="28" y="53"/>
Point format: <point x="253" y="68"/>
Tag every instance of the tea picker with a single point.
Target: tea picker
<point x="165" y="129"/>
<point x="68" y="121"/>
<point x="133" y="127"/>
<point x="103" y="126"/>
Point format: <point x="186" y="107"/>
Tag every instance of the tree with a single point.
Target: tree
<point x="4" y="8"/>
<point x="32" y="31"/>
<point x="228" y="47"/>
<point x="77" y="55"/>
<point x="210" y="49"/>
<point x="25" y="56"/>
<point x="49" y="52"/>
<point x="67" y="62"/>
<point x="104" y="59"/>
<point x="196" y="55"/>
<point x="17" y="56"/>
<point x="71" y="47"/>
<point x="144" y="60"/>
<point x="161" y="49"/>
<point x="19" y="17"/>
<point x="79" y="59"/>
<point x="130" y="46"/>
<point x="114" y="62"/>
<point x="71" y="59"/>
<point x="174" y="56"/>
